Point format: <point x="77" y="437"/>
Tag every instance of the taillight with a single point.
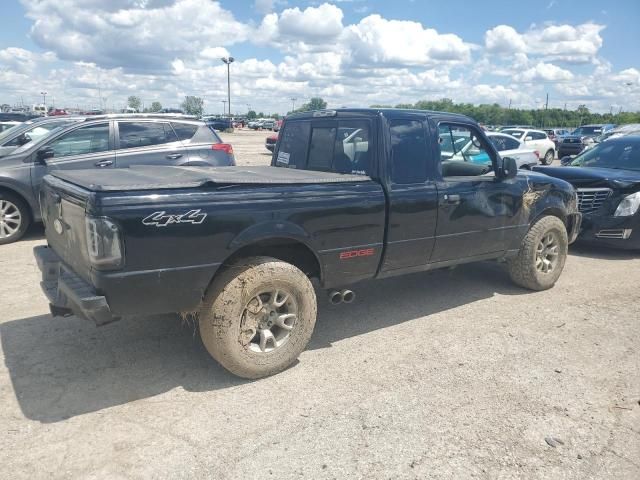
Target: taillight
<point x="225" y="147"/>
<point x="103" y="243"/>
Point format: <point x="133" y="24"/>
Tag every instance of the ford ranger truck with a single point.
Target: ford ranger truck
<point x="351" y="195"/>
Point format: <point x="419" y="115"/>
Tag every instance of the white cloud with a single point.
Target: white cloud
<point x="544" y="72"/>
<point x="378" y="40"/>
<point x="576" y="44"/>
<point x="123" y="34"/>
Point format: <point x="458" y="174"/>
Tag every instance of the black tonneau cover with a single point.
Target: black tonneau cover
<point x="146" y="177"/>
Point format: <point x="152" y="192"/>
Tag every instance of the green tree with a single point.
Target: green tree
<point x="134" y="102"/>
<point x="251" y="114"/>
<point x="156" y="107"/>
<point x="315" y="103"/>
<point x="192" y="105"/>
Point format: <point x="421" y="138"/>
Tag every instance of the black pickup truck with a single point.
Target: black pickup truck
<point x="351" y="195"/>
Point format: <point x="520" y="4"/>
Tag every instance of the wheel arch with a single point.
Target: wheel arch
<point x="282" y="240"/>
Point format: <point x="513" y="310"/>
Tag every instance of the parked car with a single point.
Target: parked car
<point x="268" y="124"/>
<point x="98" y="143"/>
<point x="6" y="125"/>
<point x="581" y="138"/>
<point x="536" y="139"/>
<point x="607" y="179"/>
<point x="270" y="142"/>
<point x="220" y="124"/>
<point x="459" y="146"/>
<point x="31" y="131"/>
<point x="619" y="131"/>
<point x="351" y="195"/>
<point x="57" y="111"/>
<point x="509" y="127"/>
<point x="556" y="134"/>
<point x="509" y="146"/>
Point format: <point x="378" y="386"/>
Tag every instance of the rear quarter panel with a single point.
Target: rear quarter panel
<point x="329" y="218"/>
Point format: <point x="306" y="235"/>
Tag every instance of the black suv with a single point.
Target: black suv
<point x="101" y="142"/>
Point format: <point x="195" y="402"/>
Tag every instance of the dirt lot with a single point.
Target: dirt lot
<point x="454" y="374"/>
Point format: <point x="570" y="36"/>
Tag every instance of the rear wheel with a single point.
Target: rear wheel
<point x="14" y="218"/>
<point x="258" y="316"/>
<point x="548" y="158"/>
<point x="542" y="255"/>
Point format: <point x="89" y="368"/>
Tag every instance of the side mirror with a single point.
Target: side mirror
<point x="509" y="168"/>
<point x="566" y="160"/>
<point x="44" y="153"/>
<point x="528" y="138"/>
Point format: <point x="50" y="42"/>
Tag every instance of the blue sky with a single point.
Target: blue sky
<point x="93" y="53"/>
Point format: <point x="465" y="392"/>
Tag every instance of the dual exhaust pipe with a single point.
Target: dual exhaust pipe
<point x="343" y="296"/>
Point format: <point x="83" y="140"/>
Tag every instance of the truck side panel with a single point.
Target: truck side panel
<point x="343" y="224"/>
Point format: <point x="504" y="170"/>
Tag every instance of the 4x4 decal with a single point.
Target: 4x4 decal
<point x="162" y="219"/>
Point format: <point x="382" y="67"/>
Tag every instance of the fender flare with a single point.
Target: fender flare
<point x="270" y="230"/>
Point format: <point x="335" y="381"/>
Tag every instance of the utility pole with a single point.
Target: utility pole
<point x="546" y="107"/>
<point x="228" y="61"/>
<point x="224" y="107"/>
<point x="44" y="98"/>
<point x="293" y="104"/>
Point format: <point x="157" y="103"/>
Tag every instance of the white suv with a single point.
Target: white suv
<point x="536" y="139"/>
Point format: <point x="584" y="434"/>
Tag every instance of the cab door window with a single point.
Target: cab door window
<point x="463" y="152"/>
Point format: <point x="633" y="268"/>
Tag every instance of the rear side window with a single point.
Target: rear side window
<point x="294" y="143"/>
<point x="538" y="135"/>
<point x="408" y="152"/>
<point x="145" y="134"/>
<point x="184" y="130"/>
<point x="321" y="148"/>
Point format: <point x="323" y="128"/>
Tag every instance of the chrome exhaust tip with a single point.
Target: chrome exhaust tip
<point x="348" y="296"/>
<point x="335" y="297"/>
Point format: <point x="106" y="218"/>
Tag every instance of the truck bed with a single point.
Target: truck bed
<point x="147" y="177"/>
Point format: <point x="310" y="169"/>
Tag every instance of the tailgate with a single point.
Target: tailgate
<point x="63" y="208"/>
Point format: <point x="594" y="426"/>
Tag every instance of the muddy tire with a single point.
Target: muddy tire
<point x="542" y="255"/>
<point x="15" y="218"/>
<point x="548" y="158"/>
<point x="258" y="316"/>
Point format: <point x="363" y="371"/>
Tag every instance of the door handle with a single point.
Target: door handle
<point x="104" y="163"/>
<point x="173" y="156"/>
<point x="451" y="199"/>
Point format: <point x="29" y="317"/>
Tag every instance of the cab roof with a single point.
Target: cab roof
<point x="373" y="112"/>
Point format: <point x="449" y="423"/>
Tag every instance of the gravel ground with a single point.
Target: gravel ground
<point x="451" y="374"/>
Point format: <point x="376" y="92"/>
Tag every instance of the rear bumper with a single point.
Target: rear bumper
<point x="68" y="294"/>
<point x="617" y="232"/>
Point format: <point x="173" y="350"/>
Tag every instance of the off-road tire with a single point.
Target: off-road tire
<point x="548" y="157"/>
<point x="25" y="217"/>
<point x="220" y="315"/>
<point x="522" y="267"/>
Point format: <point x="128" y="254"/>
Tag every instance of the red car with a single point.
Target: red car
<point x="270" y="142"/>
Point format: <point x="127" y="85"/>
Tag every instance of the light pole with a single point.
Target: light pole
<point x="44" y="98"/>
<point x="228" y="61"/>
<point x="224" y="107"/>
<point x="293" y="104"/>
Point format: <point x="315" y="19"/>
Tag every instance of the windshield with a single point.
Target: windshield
<point x="514" y="133"/>
<point x="587" y="131"/>
<point x="622" y="155"/>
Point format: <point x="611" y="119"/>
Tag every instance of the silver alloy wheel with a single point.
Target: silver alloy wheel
<point x="548" y="158"/>
<point x="547" y="253"/>
<point x="10" y="219"/>
<point x="267" y="320"/>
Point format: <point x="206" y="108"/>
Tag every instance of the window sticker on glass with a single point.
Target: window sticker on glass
<point x="283" y="158"/>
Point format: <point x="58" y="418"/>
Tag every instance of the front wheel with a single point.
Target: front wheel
<point x="258" y="316"/>
<point x="548" y="158"/>
<point x="14" y="218"/>
<point x="542" y="255"/>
